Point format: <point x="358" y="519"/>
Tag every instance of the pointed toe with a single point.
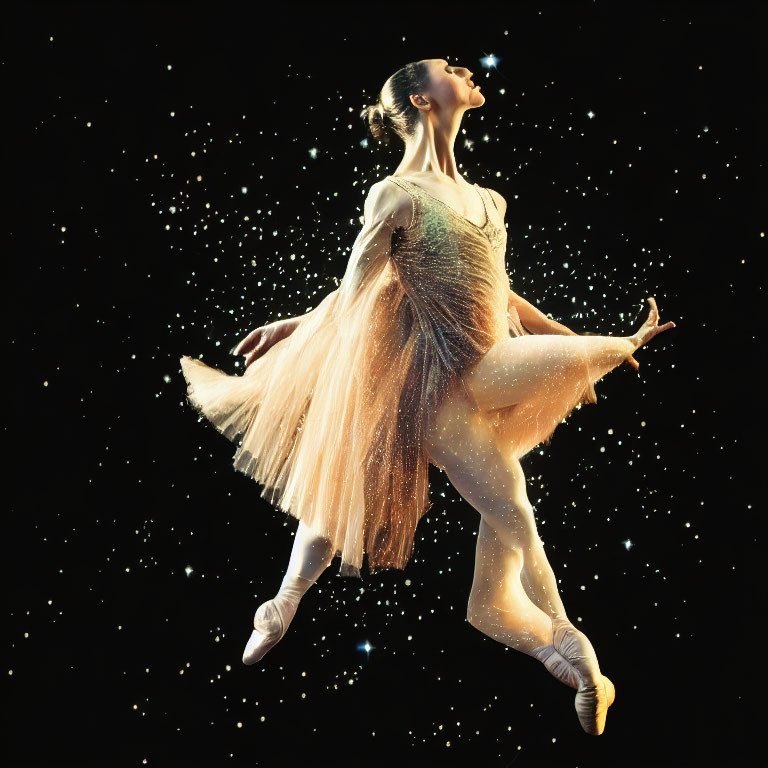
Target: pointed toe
<point x="268" y="630"/>
<point x="591" y="705"/>
<point x="257" y="645"/>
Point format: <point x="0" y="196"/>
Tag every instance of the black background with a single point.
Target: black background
<point x="115" y="654"/>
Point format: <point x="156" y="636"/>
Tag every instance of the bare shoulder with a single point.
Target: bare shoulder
<point x="501" y="203"/>
<point x="388" y="202"/>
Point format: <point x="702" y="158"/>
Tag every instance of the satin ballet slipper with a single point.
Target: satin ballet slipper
<point x="591" y="706"/>
<point x="565" y="672"/>
<point x="591" y="702"/>
<point x="267" y="633"/>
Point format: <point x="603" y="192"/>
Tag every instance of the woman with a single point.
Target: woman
<point x="423" y="354"/>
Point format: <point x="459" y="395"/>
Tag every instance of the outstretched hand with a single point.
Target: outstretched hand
<point x="647" y="331"/>
<point x="259" y="340"/>
<point x="650" y="327"/>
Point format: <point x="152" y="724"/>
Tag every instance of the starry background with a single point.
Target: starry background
<point x="180" y="174"/>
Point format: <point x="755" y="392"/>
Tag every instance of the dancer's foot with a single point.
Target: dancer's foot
<point x="268" y="631"/>
<point x="591" y="697"/>
<point x="565" y="672"/>
<point x="273" y="618"/>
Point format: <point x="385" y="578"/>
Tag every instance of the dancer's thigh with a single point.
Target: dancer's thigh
<point x="464" y="444"/>
<point x="518" y="368"/>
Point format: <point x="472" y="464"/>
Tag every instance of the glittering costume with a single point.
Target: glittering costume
<point x="332" y="419"/>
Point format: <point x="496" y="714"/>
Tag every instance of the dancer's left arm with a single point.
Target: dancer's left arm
<point x="535" y="320"/>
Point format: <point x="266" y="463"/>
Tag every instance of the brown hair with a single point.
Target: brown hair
<point x="393" y="114"/>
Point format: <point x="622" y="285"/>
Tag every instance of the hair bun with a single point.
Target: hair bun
<point x="378" y="115"/>
<point x="379" y="122"/>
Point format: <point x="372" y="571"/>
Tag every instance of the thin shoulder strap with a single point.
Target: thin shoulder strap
<point x="489" y="195"/>
<point x="412" y="190"/>
<point x="405" y="184"/>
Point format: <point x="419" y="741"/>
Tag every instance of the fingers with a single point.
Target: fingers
<point x="660" y="328"/>
<point x="244" y="346"/>
<point x="651" y="327"/>
<point x="255" y="353"/>
<point x="653" y="314"/>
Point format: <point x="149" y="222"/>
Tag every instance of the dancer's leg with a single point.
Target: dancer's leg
<point x="514" y="593"/>
<point x="463" y="444"/>
<point x="516" y="369"/>
<point x="536" y="576"/>
<point x="514" y="597"/>
<point x="499" y="605"/>
<point x="310" y="556"/>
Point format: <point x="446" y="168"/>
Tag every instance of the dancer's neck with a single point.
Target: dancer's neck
<point x="429" y="153"/>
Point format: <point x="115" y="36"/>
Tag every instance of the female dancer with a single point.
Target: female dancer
<point x="423" y="354"/>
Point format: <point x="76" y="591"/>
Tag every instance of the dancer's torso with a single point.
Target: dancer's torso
<point x="453" y="271"/>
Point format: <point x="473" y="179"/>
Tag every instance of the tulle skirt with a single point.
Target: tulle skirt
<point x="324" y="422"/>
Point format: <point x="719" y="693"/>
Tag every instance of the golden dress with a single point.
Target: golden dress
<point x="331" y="420"/>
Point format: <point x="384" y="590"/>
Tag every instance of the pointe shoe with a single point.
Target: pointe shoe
<point x="557" y="666"/>
<point x="591" y="702"/>
<point x="565" y="672"/>
<point x="267" y="633"/>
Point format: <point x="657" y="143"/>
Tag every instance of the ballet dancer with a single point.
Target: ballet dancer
<point x="423" y="355"/>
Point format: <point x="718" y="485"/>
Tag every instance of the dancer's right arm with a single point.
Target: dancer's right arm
<point x="387" y="207"/>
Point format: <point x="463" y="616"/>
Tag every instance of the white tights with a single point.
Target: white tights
<point x="514" y="597"/>
<point x="310" y="556"/>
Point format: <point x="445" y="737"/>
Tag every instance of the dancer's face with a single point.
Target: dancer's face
<point x="451" y="87"/>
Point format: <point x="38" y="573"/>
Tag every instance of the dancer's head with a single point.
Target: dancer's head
<point x="427" y="90"/>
